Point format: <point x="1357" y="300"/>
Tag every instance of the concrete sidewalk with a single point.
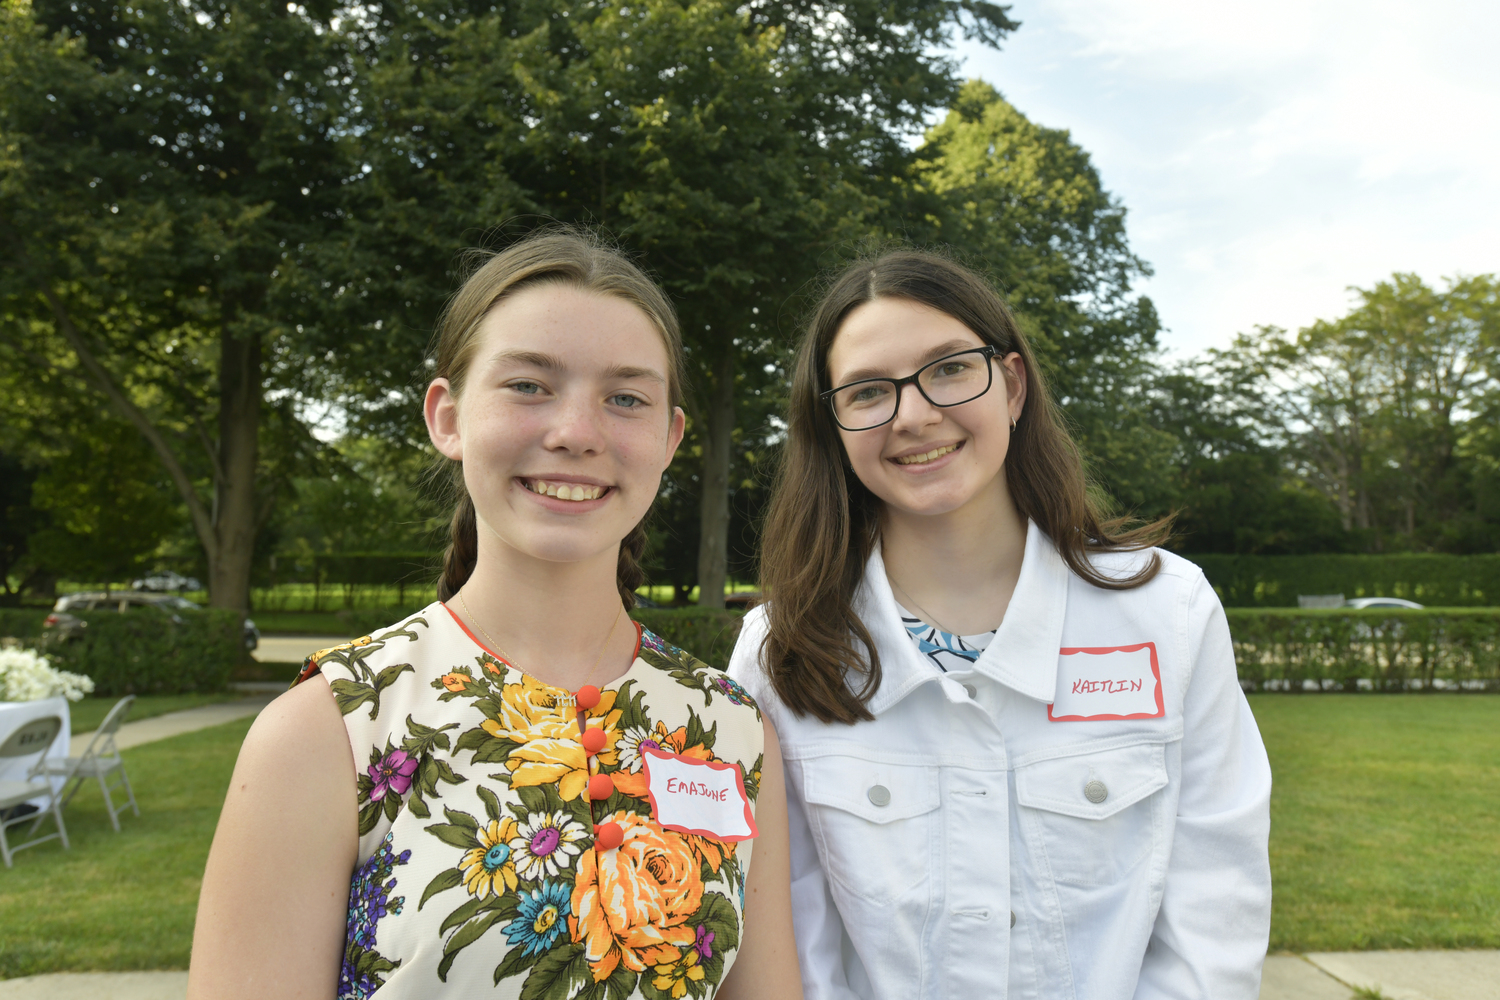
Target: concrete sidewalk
<point x="133" y="734"/>
<point x="293" y="648"/>
<point x="1398" y="975"/>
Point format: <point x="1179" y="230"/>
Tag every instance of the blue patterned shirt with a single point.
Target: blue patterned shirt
<point x="944" y="649"/>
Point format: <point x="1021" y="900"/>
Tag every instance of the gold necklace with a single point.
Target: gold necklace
<point x="509" y="659"/>
<point x="927" y="616"/>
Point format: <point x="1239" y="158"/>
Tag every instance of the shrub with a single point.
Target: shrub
<point x="148" y="652"/>
<point x="22" y="624"/>
<point x="707" y="633"/>
<point x="1379" y="649"/>
<point x="1275" y="581"/>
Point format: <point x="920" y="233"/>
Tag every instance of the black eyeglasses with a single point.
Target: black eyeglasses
<point x="948" y="381"/>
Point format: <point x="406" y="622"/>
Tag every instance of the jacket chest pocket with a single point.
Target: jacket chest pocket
<point x="1094" y="815"/>
<point x="873" y="823"/>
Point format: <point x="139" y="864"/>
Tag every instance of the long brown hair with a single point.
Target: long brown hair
<point x="575" y="258"/>
<point x="823" y="522"/>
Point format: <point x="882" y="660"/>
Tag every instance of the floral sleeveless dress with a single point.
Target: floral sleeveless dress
<point x="478" y="868"/>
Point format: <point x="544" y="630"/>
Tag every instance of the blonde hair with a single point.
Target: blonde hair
<point x="571" y="258"/>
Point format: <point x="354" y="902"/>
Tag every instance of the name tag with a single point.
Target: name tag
<point x="701" y="797"/>
<point x="1107" y="682"/>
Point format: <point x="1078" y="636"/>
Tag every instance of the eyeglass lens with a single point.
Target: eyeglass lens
<point x="947" y="382"/>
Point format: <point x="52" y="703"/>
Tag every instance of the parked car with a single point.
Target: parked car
<point x="68" y="625"/>
<point x="1360" y="603"/>
<point x="167" y="581"/>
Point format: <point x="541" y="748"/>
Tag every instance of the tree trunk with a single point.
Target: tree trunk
<point x="713" y="502"/>
<point x="235" y="508"/>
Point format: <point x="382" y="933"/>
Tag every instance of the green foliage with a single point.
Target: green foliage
<point x="146" y="652"/>
<point x="1371" y="650"/>
<point x="21" y="623"/>
<point x="377" y="567"/>
<point x="1430" y="579"/>
<point x="707" y="633"/>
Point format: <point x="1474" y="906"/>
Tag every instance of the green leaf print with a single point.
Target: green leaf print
<point x="367" y="685"/>
<point x="752" y="777"/>
<point x="467" y="911"/>
<point x="631" y="704"/>
<point x="466" y="935"/>
<point x="696" y="734"/>
<point x="688" y="672"/>
<point x="516" y="962"/>
<point x="487" y="749"/>
<point x="491" y="803"/>
<point x="425" y="739"/>
<point x="442" y="882"/>
<point x="561" y="973"/>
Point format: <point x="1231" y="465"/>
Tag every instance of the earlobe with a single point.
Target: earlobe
<point x="675" y="432"/>
<point x="440" y="410"/>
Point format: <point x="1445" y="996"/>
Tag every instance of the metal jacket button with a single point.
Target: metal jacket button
<point x="1095" y="791"/>
<point x="879" y="795"/>
<point x="972" y="690"/>
<point x="1013" y="918"/>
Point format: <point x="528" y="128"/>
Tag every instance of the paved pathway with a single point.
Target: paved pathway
<point x="133" y="734"/>
<point x="293" y="648"/>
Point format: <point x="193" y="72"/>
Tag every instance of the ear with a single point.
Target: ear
<point x="674" y="435"/>
<point x="440" y="409"/>
<point x="1015" y="384"/>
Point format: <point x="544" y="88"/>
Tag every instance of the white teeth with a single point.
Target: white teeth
<point x="563" y="491"/>
<point x="926" y="457"/>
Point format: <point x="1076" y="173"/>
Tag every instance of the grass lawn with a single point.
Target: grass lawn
<point x="122" y="900"/>
<point x="1385" y="820"/>
<point x="1385" y="834"/>
<point x="86" y="715"/>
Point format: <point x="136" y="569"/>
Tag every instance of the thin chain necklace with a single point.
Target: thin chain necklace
<point x="509" y="659"/>
<point x="926" y="615"/>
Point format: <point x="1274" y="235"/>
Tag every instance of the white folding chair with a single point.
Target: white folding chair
<point x="32" y="737"/>
<point x="100" y="759"/>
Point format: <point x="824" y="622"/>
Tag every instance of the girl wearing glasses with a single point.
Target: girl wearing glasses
<point x="1018" y="759"/>
<point x="517" y="791"/>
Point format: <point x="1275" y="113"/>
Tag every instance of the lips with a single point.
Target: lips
<point x="565" y="491"/>
<point x="926" y="456"/>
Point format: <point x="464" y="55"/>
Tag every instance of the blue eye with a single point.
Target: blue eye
<point x="626" y="402"/>
<point x="529" y="388"/>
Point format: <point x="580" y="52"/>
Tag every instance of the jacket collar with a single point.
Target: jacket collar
<point x="1023" y="655"/>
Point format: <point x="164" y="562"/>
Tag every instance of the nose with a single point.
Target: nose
<point x="577" y="427"/>
<point x="913" y="411"/>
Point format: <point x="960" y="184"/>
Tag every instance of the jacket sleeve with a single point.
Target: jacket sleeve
<point x="1211" y="931"/>
<point x="815" y="919"/>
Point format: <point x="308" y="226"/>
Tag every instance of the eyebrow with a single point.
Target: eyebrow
<point x="552" y="362"/>
<point x="942" y="350"/>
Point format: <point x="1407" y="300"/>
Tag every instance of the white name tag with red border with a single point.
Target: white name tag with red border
<point x="1097" y="683"/>
<point x="701" y="797"/>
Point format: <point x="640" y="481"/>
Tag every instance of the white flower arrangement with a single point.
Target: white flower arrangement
<point x="25" y="675"/>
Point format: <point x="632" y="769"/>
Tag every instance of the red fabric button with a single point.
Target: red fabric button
<point x="608" y="836"/>
<point x="601" y="787"/>
<point x="587" y="697"/>
<point x="593" y="740"/>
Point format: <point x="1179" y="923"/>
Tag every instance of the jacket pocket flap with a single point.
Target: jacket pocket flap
<point x="879" y="793"/>
<point x="1093" y="785"/>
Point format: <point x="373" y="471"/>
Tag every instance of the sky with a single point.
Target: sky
<point x="1272" y="154"/>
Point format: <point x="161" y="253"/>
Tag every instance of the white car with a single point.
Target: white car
<point x="163" y="582"/>
<point x="1360" y="603"/>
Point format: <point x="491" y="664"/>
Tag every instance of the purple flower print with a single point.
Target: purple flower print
<point x="392" y="773"/>
<point x="732" y="690"/>
<point x="703" y="944"/>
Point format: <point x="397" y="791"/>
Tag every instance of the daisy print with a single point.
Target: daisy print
<point x="488" y="866"/>
<point x="545" y="844"/>
<point x="630" y="745"/>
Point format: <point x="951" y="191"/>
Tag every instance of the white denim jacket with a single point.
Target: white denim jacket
<point x="970" y="843"/>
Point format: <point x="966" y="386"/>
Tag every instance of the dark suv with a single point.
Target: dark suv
<point x="69" y="625"/>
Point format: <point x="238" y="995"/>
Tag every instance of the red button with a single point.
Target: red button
<point x="601" y="787"/>
<point x="593" y="740"/>
<point x="587" y="697"/>
<point x="608" y="836"/>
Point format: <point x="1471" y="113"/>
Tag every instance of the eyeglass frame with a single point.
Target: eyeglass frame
<point x="988" y="350"/>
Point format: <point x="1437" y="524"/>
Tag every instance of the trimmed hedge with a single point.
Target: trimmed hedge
<point x="1275" y="581"/>
<point x="384" y="568"/>
<point x="707" y="633"/>
<point x="144" y="651"/>
<point x="1374" y="650"/>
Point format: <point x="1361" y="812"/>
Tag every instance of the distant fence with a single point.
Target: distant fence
<point x="353" y="581"/>
<point x="1445" y="581"/>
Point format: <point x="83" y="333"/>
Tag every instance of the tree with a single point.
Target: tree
<point x="1381" y="410"/>
<point x="1025" y="203"/>
<point x="167" y="166"/>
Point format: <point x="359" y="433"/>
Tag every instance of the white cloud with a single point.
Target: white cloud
<point x="1273" y="153"/>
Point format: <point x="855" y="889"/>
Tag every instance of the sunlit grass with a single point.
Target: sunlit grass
<point x="1385" y="820"/>
<point x="85" y="715"/>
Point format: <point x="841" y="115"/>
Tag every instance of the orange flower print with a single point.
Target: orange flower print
<point x="631" y="778"/>
<point x="549" y="750"/>
<point x="632" y="904"/>
<point x="455" y="682"/>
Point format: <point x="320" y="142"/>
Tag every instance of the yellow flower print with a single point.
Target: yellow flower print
<point x="675" y="977"/>
<point x="549" y="750"/>
<point x="489" y="867"/>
